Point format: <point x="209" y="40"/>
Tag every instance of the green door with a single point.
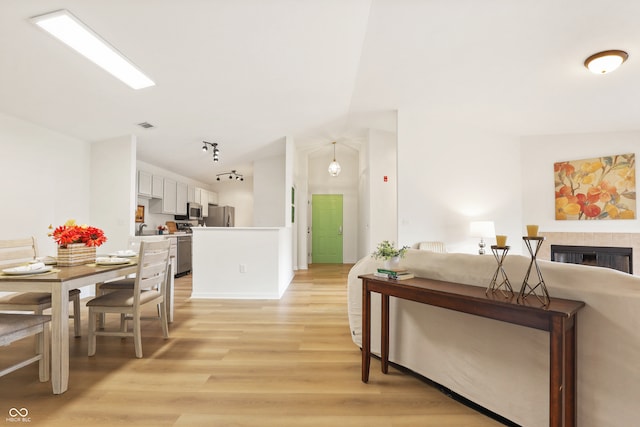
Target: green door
<point x="326" y="229"/>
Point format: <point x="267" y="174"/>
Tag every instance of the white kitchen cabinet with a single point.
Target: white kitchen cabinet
<point x="182" y="195"/>
<point x="191" y="193"/>
<point x="144" y="184"/>
<point x="170" y="196"/>
<point x="157" y="187"/>
<point x="213" y="197"/>
<point x="204" y="201"/>
<point x="197" y="195"/>
<point x="168" y="203"/>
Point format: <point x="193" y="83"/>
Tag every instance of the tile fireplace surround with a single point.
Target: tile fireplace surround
<point x="625" y="240"/>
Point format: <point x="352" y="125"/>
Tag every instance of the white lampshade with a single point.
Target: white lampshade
<point x="482" y="229"/>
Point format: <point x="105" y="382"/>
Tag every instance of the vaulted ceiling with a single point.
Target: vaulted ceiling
<point x="245" y="73"/>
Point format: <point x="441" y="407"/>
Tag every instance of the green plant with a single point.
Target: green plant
<point x="386" y="250"/>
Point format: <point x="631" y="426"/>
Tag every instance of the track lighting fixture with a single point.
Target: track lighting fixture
<point x="232" y="175"/>
<point x="214" y="146"/>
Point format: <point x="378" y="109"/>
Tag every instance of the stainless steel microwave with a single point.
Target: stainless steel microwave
<point x="194" y="211"/>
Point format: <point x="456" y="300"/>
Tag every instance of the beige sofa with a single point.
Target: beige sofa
<point x="504" y="367"/>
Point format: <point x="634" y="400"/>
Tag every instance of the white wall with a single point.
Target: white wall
<point x="113" y="189"/>
<point x="289" y="160"/>
<point x="320" y="182"/>
<point x="383" y="207"/>
<point x="238" y="194"/>
<point x="289" y="170"/>
<point x="301" y="167"/>
<point x="364" y="201"/>
<point x="44" y="179"/>
<point x="539" y="153"/>
<point x="450" y="174"/>
<point x="269" y="197"/>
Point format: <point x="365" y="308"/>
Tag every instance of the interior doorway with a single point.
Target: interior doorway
<point x="326" y="229"/>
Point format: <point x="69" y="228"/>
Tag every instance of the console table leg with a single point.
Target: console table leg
<point x="384" y="351"/>
<point x="556" y="375"/>
<point x="366" y="331"/>
<point x="570" y="373"/>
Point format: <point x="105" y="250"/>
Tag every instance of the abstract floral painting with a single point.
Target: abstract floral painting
<point x="599" y="188"/>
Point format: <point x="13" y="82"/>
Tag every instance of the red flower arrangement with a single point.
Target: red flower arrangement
<point x="71" y="232"/>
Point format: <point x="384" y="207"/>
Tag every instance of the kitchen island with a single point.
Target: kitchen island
<point x="241" y="262"/>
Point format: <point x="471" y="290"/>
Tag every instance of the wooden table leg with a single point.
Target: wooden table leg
<point x="366" y="331"/>
<point x="384" y="351"/>
<point x="59" y="338"/>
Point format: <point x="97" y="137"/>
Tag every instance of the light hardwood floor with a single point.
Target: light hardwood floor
<point x="286" y="363"/>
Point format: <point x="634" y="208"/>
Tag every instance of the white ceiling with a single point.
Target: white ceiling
<point x="245" y="73"/>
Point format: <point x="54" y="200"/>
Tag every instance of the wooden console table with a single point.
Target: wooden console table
<point x="559" y="318"/>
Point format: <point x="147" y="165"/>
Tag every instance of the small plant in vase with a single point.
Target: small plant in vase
<point x="162" y="229"/>
<point x="387" y="252"/>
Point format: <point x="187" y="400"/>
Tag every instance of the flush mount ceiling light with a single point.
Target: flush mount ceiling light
<point x="334" y="166"/>
<point x="70" y="30"/>
<point x="232" y="175"/>
<point x="214" y="145"/>
<point x="605" y="62"/>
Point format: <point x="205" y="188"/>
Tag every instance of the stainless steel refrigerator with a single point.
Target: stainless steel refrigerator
<point x="220" y="216"/>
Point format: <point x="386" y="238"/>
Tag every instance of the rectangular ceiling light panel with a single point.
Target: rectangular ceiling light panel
<point x="71" y="31"/>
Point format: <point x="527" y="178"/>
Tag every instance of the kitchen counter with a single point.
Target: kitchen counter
<point x="241" y="262"/>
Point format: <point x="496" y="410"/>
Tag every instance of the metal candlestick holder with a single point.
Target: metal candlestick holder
<point x="500" y="254"/>
<point x="538" y="289"/>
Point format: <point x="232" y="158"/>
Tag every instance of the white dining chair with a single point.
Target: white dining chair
<point x="150" y="287"/>
<point x="21" y="251"/>
<point x="14" y="327"/>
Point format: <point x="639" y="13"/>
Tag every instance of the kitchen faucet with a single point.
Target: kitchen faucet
<point x="140" y="227"/>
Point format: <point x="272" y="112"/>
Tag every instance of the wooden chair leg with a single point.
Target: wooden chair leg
<point x="123" y="322"/>
<point x="92" y="332"/>
<point x="37" y="342"/>
<point x="162" y="310"/>
<point x="101" y="316"/>
<point x="76" y="315"/>
<point x="137" y="337"/>
<point x="44" y="344"/>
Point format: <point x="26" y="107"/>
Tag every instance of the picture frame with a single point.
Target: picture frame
<point x="140" y="214"/>
<point x="600" y="188"/>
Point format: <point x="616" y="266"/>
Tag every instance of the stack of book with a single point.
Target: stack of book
<point x="395" y="274"/>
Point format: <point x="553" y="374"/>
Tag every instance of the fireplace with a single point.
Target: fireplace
<point x="601" y="256"/>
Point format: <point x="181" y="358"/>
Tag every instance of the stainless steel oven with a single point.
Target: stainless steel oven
<point x="183" y="262"/>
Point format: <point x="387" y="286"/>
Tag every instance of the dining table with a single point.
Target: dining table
<point x="58" y="282"/>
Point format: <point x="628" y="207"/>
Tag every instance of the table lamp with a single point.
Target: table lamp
<point x="482" y="229"/>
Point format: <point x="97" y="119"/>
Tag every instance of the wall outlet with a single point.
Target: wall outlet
<point x="243" y="268"/>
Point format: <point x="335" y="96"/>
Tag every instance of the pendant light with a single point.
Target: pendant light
<point x="334" y="167"/>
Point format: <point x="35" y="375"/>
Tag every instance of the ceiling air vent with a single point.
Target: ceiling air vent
<point x="145" y="125"/>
